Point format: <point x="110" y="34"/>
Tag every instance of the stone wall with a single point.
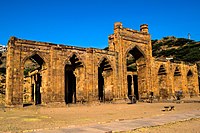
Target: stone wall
<point x="73" y="74"/>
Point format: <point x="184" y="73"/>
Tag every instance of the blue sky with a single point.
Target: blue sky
<point x="87" y="23"/>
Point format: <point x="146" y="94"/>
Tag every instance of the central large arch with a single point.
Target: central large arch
<point x="135" y="67"/>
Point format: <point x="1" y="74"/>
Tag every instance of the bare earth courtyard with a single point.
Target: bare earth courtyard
<point x="53" y="117"/>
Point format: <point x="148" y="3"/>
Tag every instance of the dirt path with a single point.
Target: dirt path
<point x="41" y="117"/>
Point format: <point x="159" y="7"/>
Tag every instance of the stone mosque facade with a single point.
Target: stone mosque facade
<point x="69" y="74"/>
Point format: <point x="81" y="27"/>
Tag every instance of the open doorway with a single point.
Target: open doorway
<point x="129" y="79"/>
<point x="135" y="80"/>
<point x="105" y="81"/>
<point x="133" y="57"/>
<point x="100" y="86"/>
<point x="71" y="80"/>
<point x="33" y="69"/>
<point x="70" y="84"/>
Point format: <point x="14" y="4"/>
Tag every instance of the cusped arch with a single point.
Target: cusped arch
<point x="137" y="52"/>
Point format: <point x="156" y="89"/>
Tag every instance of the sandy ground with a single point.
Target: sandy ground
<point x="55" y="116"/>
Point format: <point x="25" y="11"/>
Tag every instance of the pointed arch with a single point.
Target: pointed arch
<point x="190" y="83"/>
<point x="34" y="73"/>
<point x="37" y="57"/>
<point x="177" y="71"/>
<point x="135" y="64"/>
<point x="189" y="73"/>
<point x="74" y="69"/>
<point x="162" y="82"/>
<point x="135" y="51"/>
<point x="76" y="59"/>
<point x="162" y="70"/>
<point x="105" y="80"/>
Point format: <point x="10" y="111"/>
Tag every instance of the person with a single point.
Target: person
<point x="151" y="97"/>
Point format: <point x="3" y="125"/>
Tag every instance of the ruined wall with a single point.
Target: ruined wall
<point x="95" y="69"/>
<point x="55" y="58"/>
<point x="169" y="77"/>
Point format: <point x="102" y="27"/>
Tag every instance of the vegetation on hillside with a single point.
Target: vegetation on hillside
<point x="179" y="48"/>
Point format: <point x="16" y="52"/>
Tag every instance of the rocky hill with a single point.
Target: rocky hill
<point x="180" y="49"/>
<point x="177" y="48"/>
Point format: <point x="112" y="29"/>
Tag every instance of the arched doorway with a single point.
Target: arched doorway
<point x="71" y="69"/>
<point x="33" y="72"/>
<point x="105" y="81"/>
<point x="135" y="64"/>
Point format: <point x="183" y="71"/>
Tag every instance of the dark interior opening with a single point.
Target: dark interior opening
<point x="32" y="92"/>
<point x="37" y="91"/>
<point x="101" y="96"/>
<point x="70" y="85"/>
<point x="104" y="67"/>
<point x="70" y="79"/>
<point x="189" y="73"/>
<point x="129" y="80"/>
<point x="135" y="80"/>
<point x="162" y="70"/>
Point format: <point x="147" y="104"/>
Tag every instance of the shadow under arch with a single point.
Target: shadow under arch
<point x="136" y="52"/>
<point x="162" y="70"/>
<point x="105" y="80"/>
<point x="35" y="55"/>
<point x="72" y="55"/>
<point x="33" y="67"/>
<point x="177" y="71"/>
<point x="73" y="69"/>
<point x="189" y="73"/>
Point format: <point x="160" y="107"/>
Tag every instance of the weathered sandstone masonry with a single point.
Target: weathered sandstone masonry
<point x="71" y="74"/>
